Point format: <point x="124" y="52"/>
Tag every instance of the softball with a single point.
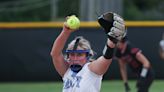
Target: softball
<point x="73" y="22"/>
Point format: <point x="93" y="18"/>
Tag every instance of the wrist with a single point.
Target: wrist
<point x="114" y="40"/>
<point x="108" y="52"/>
<point x="144" y="72"/>
<point x="67" y="29"/>
<point x="110" y="43"/>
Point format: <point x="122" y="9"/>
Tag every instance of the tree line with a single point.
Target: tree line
<point x="40" y="10"/>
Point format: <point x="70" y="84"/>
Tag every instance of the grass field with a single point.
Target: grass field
<point x="107" y="86"/>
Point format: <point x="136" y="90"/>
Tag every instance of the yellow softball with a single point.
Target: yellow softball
<point x="73" y="22"/>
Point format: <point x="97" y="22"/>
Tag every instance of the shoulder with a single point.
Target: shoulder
<point x="89" y="72"/>
<point x="132" y="48"/>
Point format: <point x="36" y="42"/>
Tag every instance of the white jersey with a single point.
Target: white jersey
<point x="83" y="81"/>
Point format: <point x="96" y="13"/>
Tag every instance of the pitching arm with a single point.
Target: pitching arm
<point x="56" y="53"/>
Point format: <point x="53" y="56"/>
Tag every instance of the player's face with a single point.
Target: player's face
<point x="79" y="58"/>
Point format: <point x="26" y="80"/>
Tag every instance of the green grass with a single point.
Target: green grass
<point x="117" y="86"/>
<point x="107" y="86"/>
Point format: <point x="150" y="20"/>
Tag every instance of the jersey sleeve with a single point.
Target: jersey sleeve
<point x="134" y="50"/>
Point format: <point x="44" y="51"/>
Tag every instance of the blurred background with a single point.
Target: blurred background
<point x="28" y="29"/>
<point x="87" y="10"/>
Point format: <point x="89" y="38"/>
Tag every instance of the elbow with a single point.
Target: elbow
<point x="52" y="53"/>
<point x="148" y="64"/>
<point x="53" y="56"/>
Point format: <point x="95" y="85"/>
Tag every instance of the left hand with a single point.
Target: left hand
<point x="113" y="25"/>
<point x="140" y="82"/>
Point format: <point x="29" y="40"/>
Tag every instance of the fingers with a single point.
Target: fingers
<point x="66" y="28"/>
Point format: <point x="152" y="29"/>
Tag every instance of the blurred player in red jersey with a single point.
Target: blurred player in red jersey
<point x="127" y="54"/>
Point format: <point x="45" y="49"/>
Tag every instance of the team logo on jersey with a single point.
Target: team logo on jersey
<point x="73" y="82"/>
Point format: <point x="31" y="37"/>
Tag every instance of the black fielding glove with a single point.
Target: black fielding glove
<point x="127" y="88"/>
<point x="113" y="25"/>
<point x="142" y="78"/>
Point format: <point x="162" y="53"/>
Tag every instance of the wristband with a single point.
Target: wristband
<point x="108" y="52"/>
<point x="144" y="72"/>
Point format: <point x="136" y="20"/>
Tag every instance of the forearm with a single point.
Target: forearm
<point x="123" y="70"/>
<point x="124" y="76"/>
<point x="60" y="42"/>
<point x="143" y="60"/>
<point x="146" y="63"/>
<point x="56" y="52"/>
<point x="109" y="49"/>
<point x="101" y="65"/>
